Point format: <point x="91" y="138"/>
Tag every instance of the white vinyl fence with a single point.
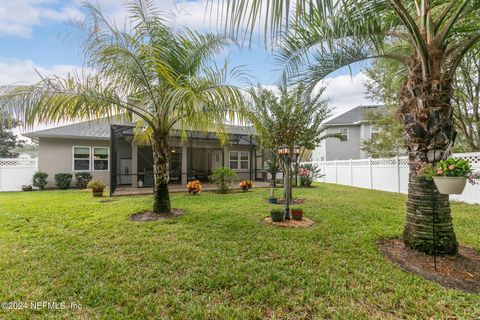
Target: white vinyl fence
<point x="387" y="174"/>
<point x="16" y="172"/>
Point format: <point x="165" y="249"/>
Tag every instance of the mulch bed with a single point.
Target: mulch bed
<point x="152" y="216"/>
<point x="293" y="201"/>
<point x="304" y="223"/>
<point x="461" y="271"/>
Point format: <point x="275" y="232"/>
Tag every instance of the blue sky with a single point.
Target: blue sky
<point x="35" y="35"/>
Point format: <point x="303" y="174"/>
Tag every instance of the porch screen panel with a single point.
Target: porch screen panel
<point x="244" y="160"/>
<point x="233" y="160"/>
<point x="81" y="158"/>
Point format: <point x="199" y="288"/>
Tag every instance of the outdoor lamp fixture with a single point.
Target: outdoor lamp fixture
<point x="284" y="153"/>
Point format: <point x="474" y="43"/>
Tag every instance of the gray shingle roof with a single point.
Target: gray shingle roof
<point x="94" y="129"/>
<point x="100" y="130"/>
<point x="354" y="116"/>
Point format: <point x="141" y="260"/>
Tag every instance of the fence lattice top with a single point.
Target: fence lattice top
<point x="473" y="157"/>
<point x="15" y="163"/>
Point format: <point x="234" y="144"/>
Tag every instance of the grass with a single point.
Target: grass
<point x="218" y="261"/>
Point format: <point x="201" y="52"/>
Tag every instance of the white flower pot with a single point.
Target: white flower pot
<point x="450" y="185"/>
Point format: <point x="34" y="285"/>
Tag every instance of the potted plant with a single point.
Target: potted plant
<point x="450" y="176"/>
<point x="272" y="198"/>
<point x="297" y="213"/>
<point x="194" y="187"/>
<point x="97" y="187"/>
<point x="277" y="215"/>
<point x="246" y="185"/>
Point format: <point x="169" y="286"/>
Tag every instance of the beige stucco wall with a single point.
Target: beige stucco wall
<point x="56" y="155"/>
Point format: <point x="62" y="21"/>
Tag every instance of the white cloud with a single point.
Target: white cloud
<point x="19" y="17"/>
<point x="343" y="92"/>
<point x="13" y="71"/>
<point x="23" y="72"/>
<point x="346" y="92"/>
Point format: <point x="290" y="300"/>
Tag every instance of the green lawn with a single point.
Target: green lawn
<point x="218" y="261"/>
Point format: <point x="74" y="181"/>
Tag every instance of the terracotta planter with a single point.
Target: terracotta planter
<point x="297" y="214"/>
<point x="450" y="185"/>
<point x="98" y="193"/>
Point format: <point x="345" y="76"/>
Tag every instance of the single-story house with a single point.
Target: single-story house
<point x="107" y="150"/>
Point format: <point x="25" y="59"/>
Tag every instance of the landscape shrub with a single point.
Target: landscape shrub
<point x="82" y="179"/>
<point x="63" y="180"/>
<point x="222" y="176"/>
<point x="308" y="172"/>
<point x="40" y="180"/>
<point x="194" y="187"/>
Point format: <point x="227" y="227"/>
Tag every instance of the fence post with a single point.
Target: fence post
<point x="351" y="173"/>
<point x="336" y="172"/>
<point x="324" y="171"/>
<point x="397" y="163"/>
<point x="370" y="172"/>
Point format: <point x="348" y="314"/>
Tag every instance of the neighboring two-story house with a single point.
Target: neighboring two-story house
<point x="353" y="129"/>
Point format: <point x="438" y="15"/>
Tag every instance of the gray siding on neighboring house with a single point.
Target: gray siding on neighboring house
<point x="343" y="150"/>
<point x="359" y="130"/>
<point x="56" y="156"/>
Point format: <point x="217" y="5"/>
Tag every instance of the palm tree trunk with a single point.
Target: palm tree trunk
<point x="160" y="148"/>
<point x="429" y="134"/>
<point x="424" y="204"/>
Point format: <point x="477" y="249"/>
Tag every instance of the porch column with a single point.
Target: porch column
<point x="184" y="164"/>
<point x="134" y="165"/>
<point x="226" y="156"/>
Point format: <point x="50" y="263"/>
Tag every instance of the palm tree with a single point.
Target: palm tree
<point x="164" y="77"/>
<point x="429" y="37"/>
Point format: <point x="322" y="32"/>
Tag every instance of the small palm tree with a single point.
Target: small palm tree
<point x="162" y="76"/>
<point x="428" y="37"/>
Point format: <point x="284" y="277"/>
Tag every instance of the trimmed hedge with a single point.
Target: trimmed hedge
<point x="40" y="180"/>
<point x="63" y="180"/>
<point x="82" y="179"/>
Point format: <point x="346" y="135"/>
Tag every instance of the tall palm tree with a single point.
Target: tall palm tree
<point x="164" y="77"/>
<point x="429" y="37"/>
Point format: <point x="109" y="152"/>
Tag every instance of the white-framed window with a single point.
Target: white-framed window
<point x="374" y="131"/>
<point x="343" y="132"/>
<point x="81" y="158"/>
<point x="101" y="158"/>
<point x="239" y="160"/>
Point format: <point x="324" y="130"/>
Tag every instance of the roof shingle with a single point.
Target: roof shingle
<point x="354" y="116"/>
<point x="100" y="130"/>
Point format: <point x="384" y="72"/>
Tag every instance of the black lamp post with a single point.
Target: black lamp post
<point x="285" y="153"/>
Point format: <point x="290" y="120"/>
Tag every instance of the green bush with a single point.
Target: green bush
<point x="307" y="173"/>
<point x="222" y="177"/>
<point x="40" y="180"/>
<point x="63" y="180"/>
<point x="82" y="179"/>
<point x="96" y="185"/>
